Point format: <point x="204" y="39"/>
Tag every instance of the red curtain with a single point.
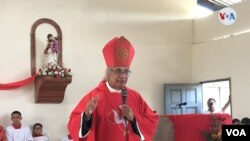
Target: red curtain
<point x="17" y="84"/>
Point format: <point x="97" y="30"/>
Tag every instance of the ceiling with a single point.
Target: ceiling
<point x="145" y="9"/>
<point x="148" y="10"/>
<point x="215" y="5"/>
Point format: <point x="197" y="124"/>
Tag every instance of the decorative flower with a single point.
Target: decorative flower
<point x="214" y="133"/>
<point x="55" y="70"/>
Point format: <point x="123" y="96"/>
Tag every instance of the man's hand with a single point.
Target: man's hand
<point x="91" y="105"/>
<point x="127" y="112"/>
<point x="227" y="104"/>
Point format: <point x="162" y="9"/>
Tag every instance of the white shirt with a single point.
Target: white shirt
<point x="41" y="138"/>
<point x="22" y="134"/>
<point x="214" y="112"/>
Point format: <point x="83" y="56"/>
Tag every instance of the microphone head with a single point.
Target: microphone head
<point x="185" y="103"/>
<point x="124" y="92"/>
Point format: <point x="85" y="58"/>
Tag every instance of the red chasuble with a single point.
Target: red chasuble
<point x="107" y="123"/>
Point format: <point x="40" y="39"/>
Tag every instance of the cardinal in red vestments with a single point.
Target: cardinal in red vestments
<point x="112" y="111"/>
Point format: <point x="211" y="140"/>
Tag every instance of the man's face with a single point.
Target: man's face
<point x="210" y="103"/>
<point x="118" y="76"/>
<point x="37" y="130"/>
<point x="16" y="119"/>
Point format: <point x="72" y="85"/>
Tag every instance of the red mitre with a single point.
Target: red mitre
<point x="118" y="52"/>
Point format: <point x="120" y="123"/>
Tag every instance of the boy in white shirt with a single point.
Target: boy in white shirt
<point x="37" y="133"/>
<point x="211" y="104"/>
<point x="17" y="131"/>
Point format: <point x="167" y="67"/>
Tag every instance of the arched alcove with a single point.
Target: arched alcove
<point x="48" y="89"/>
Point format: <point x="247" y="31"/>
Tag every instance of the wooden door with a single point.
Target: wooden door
<point x="180" y="93"/>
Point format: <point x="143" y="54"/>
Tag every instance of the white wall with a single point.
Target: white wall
<point x="163" y="53"/>
<point x="229" y="57"/>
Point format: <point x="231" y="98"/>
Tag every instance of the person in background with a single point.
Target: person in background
<point x="2" y="134"/>
<point x="112" y="111"/>
<point x="18" y="131"/>
<point x="37" y="133"/>
<point x="211" y="106"/>
<point x="236" y="121"/>
<point x="211" y="102"/>
<point x="245" y="121"/>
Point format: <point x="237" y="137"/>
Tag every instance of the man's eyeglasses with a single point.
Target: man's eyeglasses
<point x="120" y="71"/>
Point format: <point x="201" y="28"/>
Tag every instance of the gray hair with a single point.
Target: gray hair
<point x="105" y="78"/>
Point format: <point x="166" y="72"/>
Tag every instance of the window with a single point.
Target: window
<point x="220" y="91"/>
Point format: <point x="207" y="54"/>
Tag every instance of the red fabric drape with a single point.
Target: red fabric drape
<point x="17" y="84"/>
<point x="190" y="127"/>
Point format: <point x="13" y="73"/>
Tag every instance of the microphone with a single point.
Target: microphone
<point x="124" y="93"/>
<point x="184" y="103"/>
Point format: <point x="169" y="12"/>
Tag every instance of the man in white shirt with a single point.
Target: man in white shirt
<point x="211" y="104"/>
<point x="211" y="107"/>
<point x="17" y="131"/>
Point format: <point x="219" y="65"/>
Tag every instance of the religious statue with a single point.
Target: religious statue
<point x="51" y="50"/>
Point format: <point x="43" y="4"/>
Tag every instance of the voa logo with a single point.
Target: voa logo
<point x="236" y="132"/>
<point x="227" y="16"/>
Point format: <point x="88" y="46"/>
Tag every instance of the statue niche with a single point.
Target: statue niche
<point x="48" y="89"/>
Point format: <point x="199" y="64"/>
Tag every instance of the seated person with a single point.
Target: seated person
<point x="236" y="121"/>
<point x="17" y="131"/>
<point x="37" y="133"/>
<point x="211" y="102"/>
<point x="67" y="138"/>
<point x="245" y="121"/>
<point x="2" y="134"/>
